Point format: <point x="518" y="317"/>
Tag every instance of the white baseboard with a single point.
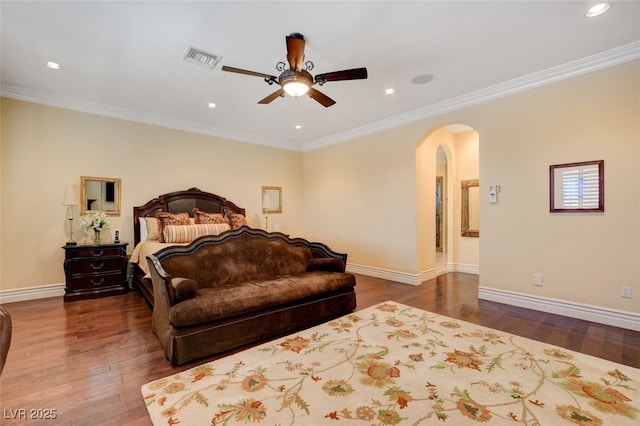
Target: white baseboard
<point x="616" y="318"/>
<point x="467" y="268"/>
<point x="31" y="293"/>
<point x="413" y="279"/>
<point x="401" y="277"/>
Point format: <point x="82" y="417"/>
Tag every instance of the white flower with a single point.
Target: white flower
<point x="95" y="221"/>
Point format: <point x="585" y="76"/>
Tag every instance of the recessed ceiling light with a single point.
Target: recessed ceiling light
<point x="596" y="10"/>
<point x="212" y="105"/>
<point x="389" y="91"/>
<point x="422" y="79"/>
<point x="298" y="127"/>
<point x="54" y="65"/>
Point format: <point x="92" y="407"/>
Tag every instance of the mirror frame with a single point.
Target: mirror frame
<point x="275" y="197"/>
<point x="83" y="195"/>
<point x="465" y="185"/>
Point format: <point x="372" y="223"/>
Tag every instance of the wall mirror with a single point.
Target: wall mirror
<point x="272" y="199"/>
<point x="470" y="208"/>
<point x="577" y="187"/>
<point x="99" y="194"/>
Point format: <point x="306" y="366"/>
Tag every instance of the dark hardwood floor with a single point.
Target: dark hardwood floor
<point x="87" y="359"/>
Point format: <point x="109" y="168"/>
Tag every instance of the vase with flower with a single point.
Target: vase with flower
<point x="95" y="222"/>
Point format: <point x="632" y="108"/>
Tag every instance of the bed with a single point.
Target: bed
<point x="146" y="242"/>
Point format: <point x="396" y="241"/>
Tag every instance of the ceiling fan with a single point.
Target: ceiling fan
<point x="296" y="80"/>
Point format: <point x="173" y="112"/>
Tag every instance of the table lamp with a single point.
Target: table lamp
<point x="70" y="199"/>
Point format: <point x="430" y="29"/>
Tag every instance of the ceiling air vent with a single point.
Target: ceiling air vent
<point x="201" y="58"/>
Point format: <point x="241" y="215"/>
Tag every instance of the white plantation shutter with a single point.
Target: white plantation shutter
<point x="580" y="188"/>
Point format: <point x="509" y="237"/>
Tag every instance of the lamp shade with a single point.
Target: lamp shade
<point x="70" y="197"/>
<point x="266" y="201"/>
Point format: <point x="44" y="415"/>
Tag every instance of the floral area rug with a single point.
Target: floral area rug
<point x="391" y="364"/>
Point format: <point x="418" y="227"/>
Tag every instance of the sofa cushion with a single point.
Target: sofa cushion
<point x="233" y="299"/>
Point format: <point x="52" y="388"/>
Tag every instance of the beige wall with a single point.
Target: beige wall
<point x="364" y="196"/>
<point x="584" y="258"/>
<point x="361" y="195"/>
<point x="45" y="148"/>
<point x="360" y="198"/>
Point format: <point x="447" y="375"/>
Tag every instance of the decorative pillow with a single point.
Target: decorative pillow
<point x="152" y="228"/>
<point x="184" y="288"/>
<point x="165" y="218"/>
<point x="188" y="233"/>
<point x="235" y="220"/>
<point x="204" y="217"/>
<point x="328" y="264"/>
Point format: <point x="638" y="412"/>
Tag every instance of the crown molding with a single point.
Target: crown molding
<point x="599" y="61"/>
<point x="617" y="56"/>
<point x="81" y="105"/>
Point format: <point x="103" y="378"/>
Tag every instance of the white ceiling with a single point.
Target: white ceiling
<point x="125" y="59"/>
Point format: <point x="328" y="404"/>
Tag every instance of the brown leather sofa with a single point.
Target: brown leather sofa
<point x="5" y="336"/>
<point x="243" y="286"/>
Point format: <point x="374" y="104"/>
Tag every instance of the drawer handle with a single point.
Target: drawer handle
<point x="97" y="253"/>
<point x="97" y="283"/>
<point x="95" y="268"/>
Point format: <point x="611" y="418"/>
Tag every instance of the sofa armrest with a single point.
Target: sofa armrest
<point x="162" y="289"/>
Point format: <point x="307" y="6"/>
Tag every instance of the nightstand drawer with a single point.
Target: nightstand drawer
<point x="93" y="251"/>
<point x="94" y="266"/>
<point x="96" y="281"/>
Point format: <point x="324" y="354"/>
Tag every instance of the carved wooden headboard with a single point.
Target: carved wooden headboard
<point x="183" y="201"/>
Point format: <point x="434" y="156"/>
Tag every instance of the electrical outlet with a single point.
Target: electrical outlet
<point x="625" y="292"/>
<point x="537" y="280"/>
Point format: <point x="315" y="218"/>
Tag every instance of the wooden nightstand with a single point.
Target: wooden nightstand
<point x="95" y="271"/>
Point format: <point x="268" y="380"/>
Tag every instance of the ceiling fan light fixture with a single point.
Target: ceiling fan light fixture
<point x="296" y="83"/>
<point x="295" y="88"/>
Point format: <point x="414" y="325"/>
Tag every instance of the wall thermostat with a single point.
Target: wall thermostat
<point x="493" y="193"/>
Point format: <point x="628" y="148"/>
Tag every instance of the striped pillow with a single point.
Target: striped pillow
<point x="188" y="233"/>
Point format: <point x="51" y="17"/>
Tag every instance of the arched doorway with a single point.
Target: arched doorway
<point x="446" y="157"/>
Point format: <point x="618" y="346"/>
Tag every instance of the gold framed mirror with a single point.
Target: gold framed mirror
<point x="100" y="195"/>
<point x="470" y="225"/>
<point x="272" y="199"/>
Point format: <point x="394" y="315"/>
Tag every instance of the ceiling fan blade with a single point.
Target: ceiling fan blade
<point x="295" y="51"/>
<point x="352" y="74"/>
<point x="321" y="97"/>
<point x="271" y="97"/>
<point x="246" y="72"/>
